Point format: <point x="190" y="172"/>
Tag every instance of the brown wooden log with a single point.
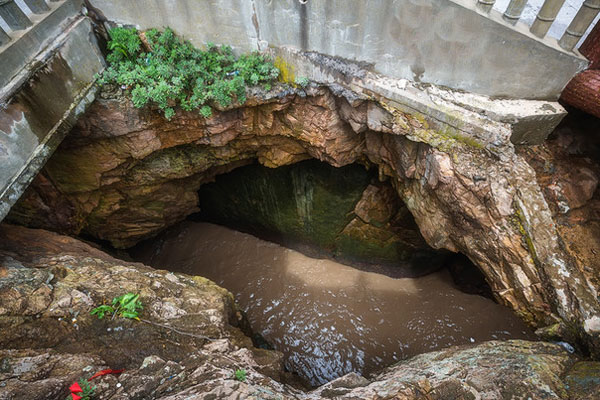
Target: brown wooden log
<point x="583" y="92"/>
<point x="590" y="48"/>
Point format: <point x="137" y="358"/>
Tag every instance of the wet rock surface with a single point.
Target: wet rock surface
<point x="493" y="370"/>
<point x="124" y="174"/>
<point x="48" y="280"/>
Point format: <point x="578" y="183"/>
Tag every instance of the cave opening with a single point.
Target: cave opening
<point x="330" y="269"/>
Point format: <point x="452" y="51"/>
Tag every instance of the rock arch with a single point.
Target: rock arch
<point x="123" y="174"/>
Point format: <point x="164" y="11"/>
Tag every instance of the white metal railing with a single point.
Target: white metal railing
<point x="15" y="19"/>
<point x="547" y="15"/>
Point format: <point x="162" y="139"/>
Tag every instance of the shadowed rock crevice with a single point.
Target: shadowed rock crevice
<point x="344" y="213"/>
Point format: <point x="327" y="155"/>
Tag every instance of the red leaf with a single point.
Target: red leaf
<point x="106" y="372"/>
<point x="75" y="388"/>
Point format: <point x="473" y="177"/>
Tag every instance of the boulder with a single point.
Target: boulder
<point x="189" y="328"/>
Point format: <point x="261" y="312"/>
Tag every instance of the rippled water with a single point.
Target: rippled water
<point x="327" y="318"/>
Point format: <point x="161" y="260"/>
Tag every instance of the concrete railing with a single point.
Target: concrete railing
<point x="547" y="14"/>
<point x="15" y="18"/>
<point x="48" y="61"/>
<point x="26" y="27"/>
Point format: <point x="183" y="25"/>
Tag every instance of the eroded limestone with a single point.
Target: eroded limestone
<point x="128" y="173"/>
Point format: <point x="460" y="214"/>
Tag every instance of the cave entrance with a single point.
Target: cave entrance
<point x="330" y="268"/>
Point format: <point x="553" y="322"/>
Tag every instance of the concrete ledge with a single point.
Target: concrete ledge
<point x="490" y="122"/>
<point x="38" y="116"/>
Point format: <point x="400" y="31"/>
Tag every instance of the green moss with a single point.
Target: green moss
<point x="454" y="135"/>
<point x="287" y="72"/>
<point x="444" y="139"/>
<point x="521" y="222"/>
<point x="309" y="202"/>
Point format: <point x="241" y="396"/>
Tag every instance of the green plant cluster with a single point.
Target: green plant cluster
<point x="240" y="375"/>
<point x="170" y="71"/>
<point x="126" y="306"/>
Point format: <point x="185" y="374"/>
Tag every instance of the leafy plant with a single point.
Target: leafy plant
<point x="170" y="71"/>
<point x="240" y="375"/>
<point x="87" y="389"/>
<point x="102" y="310"/>
<point x="302" y="81"/>
<point x="126" y="306"/>
<point x="83" y="390"/>
<point x="123" y="44"/>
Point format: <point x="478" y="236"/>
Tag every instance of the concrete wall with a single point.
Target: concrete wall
<point x="444" y="42"/>
<point x="39" y="114"/>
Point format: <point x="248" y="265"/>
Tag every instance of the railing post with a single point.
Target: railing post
<point x="514" y="10"/>
<point x="13" y="16"/>
<point x="4" y="38"/>
<point x="37" y="6"/>
<point x="485" y="5"/>
<point x="585" y="16"/>
<point x="546" y="17"/>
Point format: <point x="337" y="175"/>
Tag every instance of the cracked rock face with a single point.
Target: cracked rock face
<point x="187" y="345"/>
<point x="123" y="174"/>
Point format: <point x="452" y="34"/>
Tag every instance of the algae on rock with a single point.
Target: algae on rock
<point x="335" y="211"/>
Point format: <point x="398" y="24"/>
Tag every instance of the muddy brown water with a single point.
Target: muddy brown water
<point x="327" y="318"/>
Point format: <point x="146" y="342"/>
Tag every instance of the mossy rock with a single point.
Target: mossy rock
<point x="311" y="206"/>
<point x="583" y="381"/>
<point x="309" y="202"/>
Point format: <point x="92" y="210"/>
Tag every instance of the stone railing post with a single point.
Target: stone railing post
<point x="514" y="10"/>
<point x="4" y="38"/>
<point x="585" y="16"/>
<point x="14" y="17"/>
<point x="485" y="5"/>
<point x="546" y="17"/>
<point x="37" y="6"/>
